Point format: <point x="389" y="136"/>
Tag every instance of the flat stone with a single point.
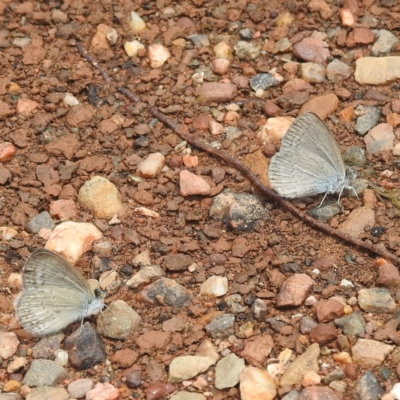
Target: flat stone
<point x="215" y="92"/>
<point x="370" y="353"/>
<point x="377" y="70"/>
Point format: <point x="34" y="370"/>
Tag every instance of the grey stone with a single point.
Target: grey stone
<point x="44" y="373"/>
<point x="385" y="43"/>
<point x="221" y="326"/>
<point x="368" y="387"/>
<point x="42" y="220"/>
<point x="326" y="211"/>
<point x="48" y="393"/>
<point x="227" y="371"/>
<point x="354" y="156"/>
<point x="352" y="324"/>
<point x="263" y="81"/>
<point x="369" y="119"/>
<point x="376" y="300"/>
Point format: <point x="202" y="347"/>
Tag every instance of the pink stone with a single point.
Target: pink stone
<point x="7" y="151"/>
<point x="103" y="391"/>
<point x="26" y="106"/>
<point x="191" y="184"/>
<point x="63" y="209"/>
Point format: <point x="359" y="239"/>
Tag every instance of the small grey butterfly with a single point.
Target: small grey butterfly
<point x="55" y="294"/>
<point x="309" y="161"/>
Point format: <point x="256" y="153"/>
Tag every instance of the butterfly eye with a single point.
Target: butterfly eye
<point x="100" y="294"/>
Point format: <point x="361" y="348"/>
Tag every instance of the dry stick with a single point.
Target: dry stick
<point x="254" y="180"/>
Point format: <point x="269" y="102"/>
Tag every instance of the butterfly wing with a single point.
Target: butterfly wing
<point x="309" y="161"/>
<point x="45" y="268"/>
<point x="47" y="310"/>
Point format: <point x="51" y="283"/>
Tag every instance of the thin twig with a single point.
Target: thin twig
<point x="245" y="171"/>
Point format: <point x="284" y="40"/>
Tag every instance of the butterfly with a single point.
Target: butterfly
<point x="309" y="161"/>
<point x="55" y="294"/>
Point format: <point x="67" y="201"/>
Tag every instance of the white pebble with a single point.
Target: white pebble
<point x="151" y="166"/>
<point x="346" y="283"/>
<point x="8" y="233"/>
<point x="214" y="286"/>
<point x="132" y="48"/>
<point x="70" y="100"/>
<point x="15" y="280"/>
<point x="396" y="391"/>
<point x="146" y="212"/>
<point x="223" y="50"/>
<point x="158" y="54"/>
<point x="136" y="23"/>
<point x="61" y="357"/>
<point x="316" y="271"/>
<point x="310" y="301"/>
<point x="112" y="36"/>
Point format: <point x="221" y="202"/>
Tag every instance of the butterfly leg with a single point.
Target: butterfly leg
<point x="323" y="199"/>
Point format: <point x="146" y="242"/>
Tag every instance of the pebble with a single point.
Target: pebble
<point x="85" y="348"/>
<point x="146" y="275"/>
<point x="263" y="81"/>
<point x="136" y="23"/>
<point x="234" y="302"/>
<point x="357" y="221"/>
<point x="7" y="151"/>
<point x="349" y="12"/>
<point x="47" y="346"/>
<point x="214" y="286"/>
<point x="322" y="7"/>
<point x="44" y="373"/>
<point x="310" y="378"/>
<point x="360" y="36"/>
<point x="191" y="184"/>
<point x="367" y="120"/>
<point x="99" y="41"/>
<point x="79" y="388"/>
<point x="327" y="310"/>
<point x="61" y="357"/>
<point x="188" y="396"/>
<point x="239" y="212"/>
<point x="376" y="300"/>
<point x="103" y="391"/>
<point x="158" y="55"/>
<point x="318" y="393"/>
<point x="16" y="364"/>
<point x="389" y="275"/>
<point x="167" y="292"/>
<point x="323" y="106"/>
<point x="207" y="349"/>
<point x="101" y="197"/>
<point x="70" y="100"/>
<point x="354" y="156"/>
<point x="72" y="239"/>
<point x="223" y="50"/>
<point x="313" y="72"/>
<point x="257" y="349"/>
<point x="8" y="344"/>
<point x="352" y="324"/>
<point x="368" y="387"/>
<point x="42" y="220"/>
<point x="396" y="391"/>
<point x="158" y="390"/>
<point x="187" y="367"/>
<point x="216" y="92"/>
<point x="151" y="166"/>
<point x="132" y="48"/>
<point x="385" y="44"/>
<point x="215" y="128"/>
<point x="308" y="361"/>
<point x="274" y="129"/>
<point x="177" y="262"/>
<point x="45" y="392"/>
<point x="119" y="321"/>
<point x="220" y="66"/>
<point x="247" y="51"/>
<point x="221" y="327"/>
<point x="337" y="70"/>
<point x="282" y="46"/>
<point x="257" y="384"/>
<point x="26" y="106"/>
<point x="377" y="70"/>
<point x="227" y="371"/>
<point x="292" y="395"/>
<point x="370" y="353"/>
<point x="311" y="50"/>
<point x="294" y="291"/>
<point x="63" y="209"/>
<point x="380" y="138"/>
